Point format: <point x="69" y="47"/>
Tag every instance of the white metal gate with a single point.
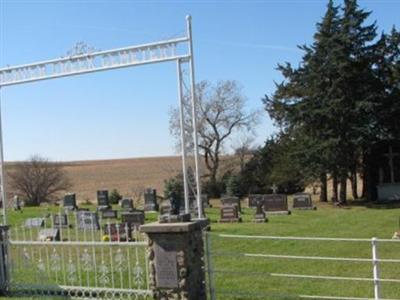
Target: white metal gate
<point x="84" y="263"/>
<point x="81" y="264"/>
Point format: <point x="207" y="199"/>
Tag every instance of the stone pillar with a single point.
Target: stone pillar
<point x="176" y="260"/>
<point x="4" y="267"/>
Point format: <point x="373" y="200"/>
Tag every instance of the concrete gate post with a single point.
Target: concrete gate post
<point x="176" y="260"/>
<point x="4" y="267"/>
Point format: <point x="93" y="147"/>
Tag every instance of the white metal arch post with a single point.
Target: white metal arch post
<point x="82" y="63"/>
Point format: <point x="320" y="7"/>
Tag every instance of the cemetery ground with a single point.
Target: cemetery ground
<point x="237" y="276"/>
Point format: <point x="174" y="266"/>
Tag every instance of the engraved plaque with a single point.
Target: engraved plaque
<point x="166" y="266"/>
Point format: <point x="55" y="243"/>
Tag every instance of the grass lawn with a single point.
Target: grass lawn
<point x="237" y="276"/>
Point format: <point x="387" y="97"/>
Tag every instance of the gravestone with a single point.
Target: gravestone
<point x="17" y="203"/>
<point x="34" y="222"/>
<point x="133" y="219"/>
<point x="303" y="201"/>
<point x="127" y="204"/>
<point x="230" y="213"/>
<point x="259" y="216"/>
<point x="150" y="200"/>
<point x="103" y="201"/>
<point x="165" y="207"/>
<point x="49" y="234"/>
<point x="253" y="199"/>
<point x="109" y="214"/>
<point x="170" y="211"/>
<point x="60" y="221"/>
<point x="118" y="232"/>
<point x="231" y="200"/>
<point x="276" y="204"/>
<point x="88" y="220"/>
<point x="70" y="201"/>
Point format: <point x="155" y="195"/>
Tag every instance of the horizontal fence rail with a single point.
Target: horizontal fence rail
<point x="376" y="279"/>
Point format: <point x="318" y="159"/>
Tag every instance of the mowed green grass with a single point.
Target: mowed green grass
<point x="237" y="276"/>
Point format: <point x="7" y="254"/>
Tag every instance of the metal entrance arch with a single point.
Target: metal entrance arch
<point x="157" y="52"/>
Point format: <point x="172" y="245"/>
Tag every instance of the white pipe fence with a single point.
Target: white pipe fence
<point x="108" y="261"/>
<point x="374" y="260"/>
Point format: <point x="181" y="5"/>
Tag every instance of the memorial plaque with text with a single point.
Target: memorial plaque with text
<point x="166" y="266"/>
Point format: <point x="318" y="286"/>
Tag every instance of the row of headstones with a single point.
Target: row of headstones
<point x="88" y="220"/>
<point x="270" y="203"/>
<point x="103" y="201"/>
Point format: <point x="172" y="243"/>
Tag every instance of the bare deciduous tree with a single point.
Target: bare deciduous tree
<point x="221" y="112"/>
<point x="38" y="180"/>
<point x="243" y="149"/>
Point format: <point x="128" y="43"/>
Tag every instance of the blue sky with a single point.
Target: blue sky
<point x="124" y="113"/>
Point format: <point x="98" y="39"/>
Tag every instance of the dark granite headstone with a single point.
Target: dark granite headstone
<point x="49" y="234"/>
<point x="254" y="198"/>
<point x="230" y="213"/>
<point x="34" y="222"/>
<point x="103" y="201"/>
<point x="276" y="204"/>
<point x="60" y="221"/>
<point x="133" y="219"/>
<point x="150" y="200"/>
<point x="303" y="201"/>
<point x="118" y="232"/>
<point x="259" y="216"/>
<point x="88" y="220"/>
<point x="231" y="200"/>
<point x="126" y="204"/>
<point x="70" y="201"/>
<point x="109" y="214"/>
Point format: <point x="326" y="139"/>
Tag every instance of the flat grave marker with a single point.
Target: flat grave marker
<point x="88" y="220"/>
<point x="49" y="234"/>
<point x="276" y="204"/>
<point x="303" y="201"/>
<point x="229" y="213"/>
<point x="109" y="214"/>
<point x="60" y="220"/>
<point x="34" y="222"/>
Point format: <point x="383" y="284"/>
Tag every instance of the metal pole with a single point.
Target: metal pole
<point x="194" y="116"/>
<point x="375" y="266"/>
<point x="183" y="142"/>
<point x="2" y="180"/>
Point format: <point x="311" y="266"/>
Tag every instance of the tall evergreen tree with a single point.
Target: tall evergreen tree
<point x="330" y="100"/>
